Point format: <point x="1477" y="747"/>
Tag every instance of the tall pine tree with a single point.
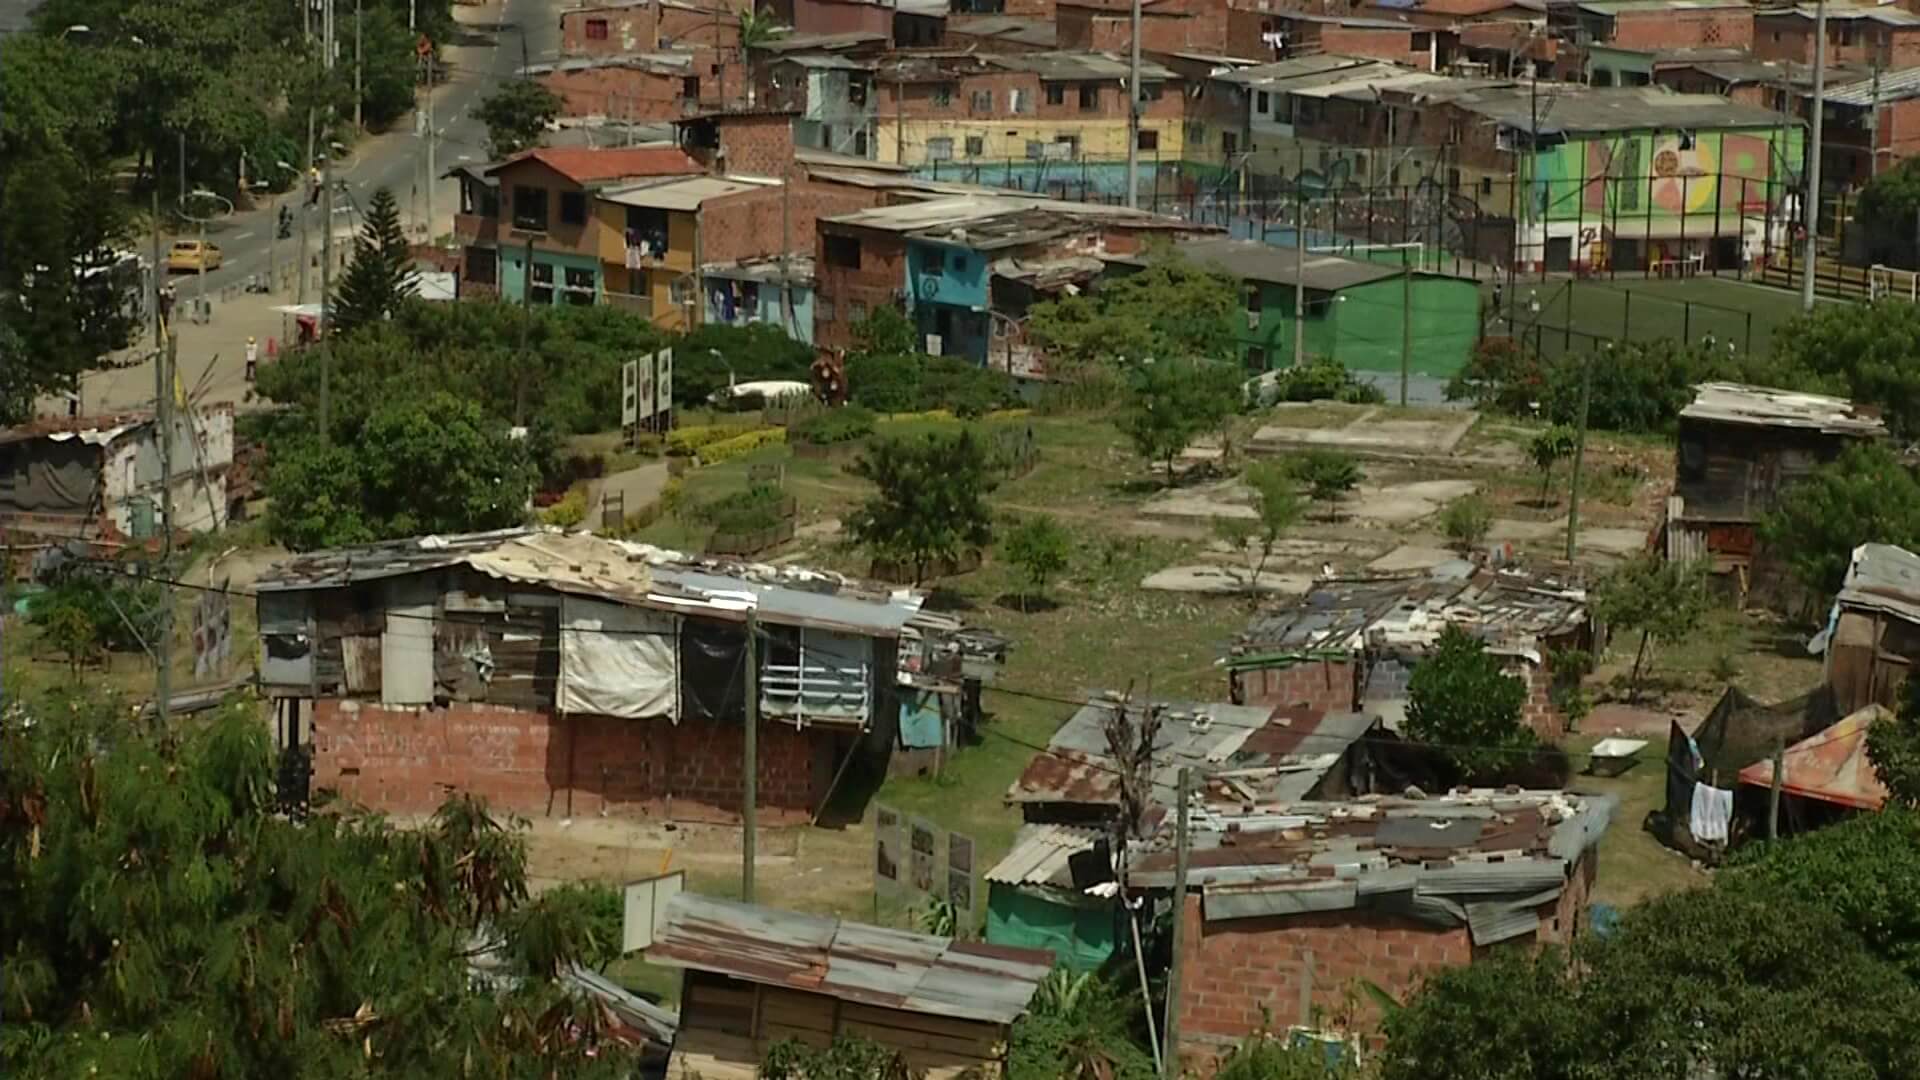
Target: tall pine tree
<point x="382" y="272"/>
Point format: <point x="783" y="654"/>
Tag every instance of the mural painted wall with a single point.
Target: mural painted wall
<point x="1667" y="174"/>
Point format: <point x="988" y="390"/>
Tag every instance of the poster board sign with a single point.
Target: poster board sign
<point x="646" y="906"/>
<point x="915" y="861"/>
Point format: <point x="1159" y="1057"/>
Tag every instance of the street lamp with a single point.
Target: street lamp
<point x="200" y="268"/>
<point x="76" y="28"/>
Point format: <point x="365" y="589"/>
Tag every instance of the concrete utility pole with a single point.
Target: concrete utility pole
<point x="1300" y="286"/>
<point x="163" y="364"/>
<point x="356" y="65"/>
<point x="1406" y="320"/>
<point x="326" y="247"/>
<point x="432" y="135"/>
<point x="1810" y="202"/>
<point x="749" y="779"/>
<point x="1170" y="1059"/>
<point x="1579" y="457"/>
<point x="1773" y="789"/>
<point x="1133" y="113"/>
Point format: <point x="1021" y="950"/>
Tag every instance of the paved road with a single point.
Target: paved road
<point x="498" y="35"/>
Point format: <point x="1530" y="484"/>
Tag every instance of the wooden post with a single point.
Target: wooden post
<point x="749" y="780"/>
<point x="1773" y="789"/>
<point x="1170" y="1060"/>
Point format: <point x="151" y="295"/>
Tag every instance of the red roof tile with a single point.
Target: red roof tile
<point x="584" y="165"/>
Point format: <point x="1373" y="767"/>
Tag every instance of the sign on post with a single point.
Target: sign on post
<point x="646" y="393"/>
<point x="915" y="860"/>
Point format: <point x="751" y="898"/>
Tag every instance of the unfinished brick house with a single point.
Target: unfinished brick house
<point x="638" y="26"/>
<point x="631" y="87"/>
<point x="567" y="674"/>
<point x="99" y="477"/>
<point x="1292" y="906"/>
<point x="1883" y="37"/>
<point x="1353" y="646"/>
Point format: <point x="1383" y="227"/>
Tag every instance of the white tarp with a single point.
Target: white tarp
<point x="617" y="660"/>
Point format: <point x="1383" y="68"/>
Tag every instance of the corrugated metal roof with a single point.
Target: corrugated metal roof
<point x="1092" y="67"/>
<point x="1571" y="107"/>
<point x="1040" y="854"/>
<point x="1505" y="608"/>
<point x="1251" y="260"/>
<point x="851" y="961"/>
<point x="1885" y="578"/>
<point x="1831" y="766"/>
<point x="1761" y="406"/>
<point x="685" y="194"/>
<point x="1891" y="86"/>
<point x="629" y="573"/>
<point x="1891" y="16"/>
<point x="1273" y="753"/>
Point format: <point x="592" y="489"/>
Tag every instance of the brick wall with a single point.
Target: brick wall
<point x="1237" y="967"/>
<point x="1328" y="685"/>
<point x="757" y="144"/>
<point x="406" y="760"/>
<point x="1379" y="44"/>
<point x="1307" y="968"/>
<point x="750" y="224"/>
<point x="1205" y="28"/>
<point x="611" y="31"/>
<point x="1849" y="41"/>
<point x="1683" y="28"/>
<point x="617" y="92"/>
<point x="842" y="294"/>
<point x="841" y="17"/>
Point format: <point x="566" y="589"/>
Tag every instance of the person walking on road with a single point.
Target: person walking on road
<point x="253" y="357"/>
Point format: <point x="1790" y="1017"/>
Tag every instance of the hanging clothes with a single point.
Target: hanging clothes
<point x="1712" y="811"/>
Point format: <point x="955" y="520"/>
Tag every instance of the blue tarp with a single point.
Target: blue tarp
<point x="921" y="727"/>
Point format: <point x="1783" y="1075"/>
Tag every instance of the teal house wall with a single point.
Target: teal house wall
<point x="1360" y="326"/>
<point x="1081" y="935"/>
<point x="513" y="273"/>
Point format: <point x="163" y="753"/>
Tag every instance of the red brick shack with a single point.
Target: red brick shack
<point x="1290" y="906"/>
<point x="1352" y="645"/>
<point x="566" y="673"/>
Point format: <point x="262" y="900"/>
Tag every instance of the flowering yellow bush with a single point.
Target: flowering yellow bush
<point x="727" y="449"/>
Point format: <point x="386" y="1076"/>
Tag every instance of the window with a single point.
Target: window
<point x="690" y="88"/>
<point x="856" y="310"/>
<point x="1089" y="97"/>
<point x="1036" y="149"/>
<point x="1256" y="359"/>
<point x="940" y="149"/>
<point x="1056" y="94"/>
<point x="540" y="291"/>
<point x="573" y="208"/>
<point x="982" y="101"/>
<point x="860" y="143"/>
<point x="580" y="287"/>
<point x="976" y="145"/>
<point x="823" y="310"/>
<point x="1422" y="42"/>
<point x="596" y="29"/>
<point x="1307" y="110"/>
<point x="857" y="92"/>
<point x="680" y="290"/>
<point x="646" y="232"/>
<point x="932" y="262"/>
<point x="1149" y="140"/>
<point x="1072" y="144"/>
<point x="1021" y="100"/>
<point x="1253" y="299"/>
<point x="1486" y="186"/>
<point x="1262" y="102"/>
<point x="1229" y="143"/>
<point x="841" y="251"/>
<point x="1150" y="91"/>
<point x="943" y="96"/>
<point x="530" y="209"/>
<point x="483" y="265"/>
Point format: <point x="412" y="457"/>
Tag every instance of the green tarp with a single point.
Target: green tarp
<point x="1081" y="937"/>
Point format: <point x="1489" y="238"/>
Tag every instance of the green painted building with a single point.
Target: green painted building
<point x="1356" y="310"/>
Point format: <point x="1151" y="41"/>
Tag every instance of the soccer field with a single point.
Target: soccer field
<point x="1576" y="315"/>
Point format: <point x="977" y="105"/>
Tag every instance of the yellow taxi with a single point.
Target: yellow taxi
<point x="193" y="256"/>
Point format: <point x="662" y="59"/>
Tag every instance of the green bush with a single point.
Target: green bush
<point x="1319" y="379"/>
<point x="849" y="423"/>
<point x="907" y="382"/>
<point x="728" y="449"/>
<point x="750" y="510"/>
<point x="689" y="440"/>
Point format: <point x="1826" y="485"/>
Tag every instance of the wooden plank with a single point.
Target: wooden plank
<point x="814" y="1016"/>
<point x="707" y="993"/>
<point x="920" y="1040"/>
<point x="773" y="1033"/>
<point x="912" y="1021"/>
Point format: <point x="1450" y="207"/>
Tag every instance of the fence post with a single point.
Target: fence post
<point x="1749" y="333"/>
<point x="1686" y="321"/>
<point x="1626" y="317"/>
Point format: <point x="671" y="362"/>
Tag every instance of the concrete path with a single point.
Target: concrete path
<point x="638" y="488"/>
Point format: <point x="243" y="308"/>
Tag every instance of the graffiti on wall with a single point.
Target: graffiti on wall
<point x="1665" y="173"/>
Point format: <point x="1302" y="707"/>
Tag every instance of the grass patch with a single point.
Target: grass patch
<point x="1633" y="865"/>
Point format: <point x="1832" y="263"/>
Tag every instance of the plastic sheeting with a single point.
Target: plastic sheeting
<point x="920" y="726"/>
<point x="1081" y="936"/>
<point x="618" y="661"/>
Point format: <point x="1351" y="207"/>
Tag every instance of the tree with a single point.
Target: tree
<point x="1174" y="401"/>
<point x="1865" y="351"/>
<point x="1041" y="548"/>
<point x="1173" y="309"/>
<point x="1663" y="600"/>
<point x="758" y="29"/>
<point x="1546" y="450"/>
<point x="516" y="114"/>
<point x="1865" y="496"/>
<point x="1079" y="1027"/>
<point x="1887" y="207"/>
<point x="704" y="359"/>
<point x="1881" y="906"/>
<point x="930" y="507"/>
<point x="1460" y="698"/>
<point x="847" y="1057"/>
<point x="419" y="465"/>
<point x="165" y="919"/>
<point x="381" y="276"/>
<point x="1893" y="745"/>
<point x="1466" y="522"/>
<point x="1276" y="508"/>
<point x="1328" y="474"/>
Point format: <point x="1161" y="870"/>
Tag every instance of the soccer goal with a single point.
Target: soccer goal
<point x="1889" y="281"/>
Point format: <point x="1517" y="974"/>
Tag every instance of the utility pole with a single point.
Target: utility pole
<point x="1300" y="285"/>
<point x="1406" y="320"/>
<point x="1810" y="202"/>
<point x="1579" y="457"/>
<point x="356" y="66"/>
<point x="432" y="134"/>
<point x="1133" y="113"/>
<point x="1170" y="1060"/>
<point x="1773" y="789"/>
<point x="326" y="243"/>
<point x="749" y="779"/>
<point x="163" y="419"/>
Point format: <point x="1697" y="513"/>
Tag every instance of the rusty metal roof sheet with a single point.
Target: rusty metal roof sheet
<point x="871" y="965"/>
<point x="1831" y="766"/>
<point x="1297" y="746"/>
